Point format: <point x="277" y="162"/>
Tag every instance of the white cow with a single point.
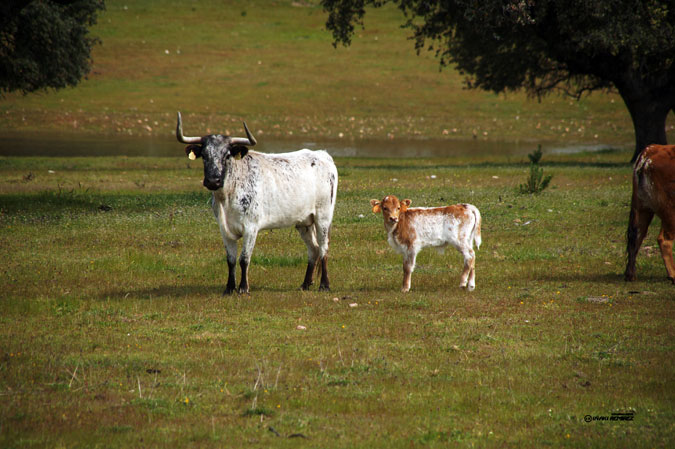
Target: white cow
<point x="266" y="191"/>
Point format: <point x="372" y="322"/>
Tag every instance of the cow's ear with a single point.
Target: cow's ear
<point x="193" y="151"/>
<point x="405" y="204"/>
<point x="238" y="150"/>
<point x="376" y="206"/>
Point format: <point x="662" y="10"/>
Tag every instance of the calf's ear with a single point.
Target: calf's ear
<point x="376" y="206"/>
<point x="193" y="151"/>
<point x="405" y="204"/>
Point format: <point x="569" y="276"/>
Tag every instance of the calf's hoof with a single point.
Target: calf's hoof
<point x="305" y="287"/>
<point x="324" y="288"/>
<point x="228" y="291"/>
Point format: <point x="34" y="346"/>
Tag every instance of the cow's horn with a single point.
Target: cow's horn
<point x="181" y="137"/>
<point x="249" y="141"/>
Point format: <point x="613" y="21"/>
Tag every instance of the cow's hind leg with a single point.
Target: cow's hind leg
<point x="308" y="235"/>
<point x="322" y="225"/>
<point x="467" y="279"/>
<point x="665" y="239"/>
<point x="638" y="223"/>
<point x="245" y="258"/>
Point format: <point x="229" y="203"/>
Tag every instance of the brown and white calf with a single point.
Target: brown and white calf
<point x="653" y="193"/>
<point x="411" y="229"/>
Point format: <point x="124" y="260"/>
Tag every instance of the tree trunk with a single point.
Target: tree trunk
<point x="649" y="108"/>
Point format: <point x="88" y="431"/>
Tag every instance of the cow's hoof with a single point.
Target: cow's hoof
<point x="324" y="288"/>
<point x="228" y="291"/>
<point x="305" y="287"/>
<point x="243" y="291"/>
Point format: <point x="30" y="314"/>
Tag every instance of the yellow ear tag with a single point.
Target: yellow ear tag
<point x="192" y="156"/>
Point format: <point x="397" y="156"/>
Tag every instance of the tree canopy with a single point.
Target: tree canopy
<point x="45" y="43"/>
<point x="573" y="46"/>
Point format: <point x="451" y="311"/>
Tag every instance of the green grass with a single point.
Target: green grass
<point x="273" y="65"/>
<point x="114" y="333"/>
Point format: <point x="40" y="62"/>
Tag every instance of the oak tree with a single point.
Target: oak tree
<point x="45" y="43"/>
<point x="574" y="46"/>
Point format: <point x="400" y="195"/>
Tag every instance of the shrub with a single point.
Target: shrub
<point x="536" y="182"/>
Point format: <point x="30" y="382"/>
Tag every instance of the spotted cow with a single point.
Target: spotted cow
<point x="257" y="191"/>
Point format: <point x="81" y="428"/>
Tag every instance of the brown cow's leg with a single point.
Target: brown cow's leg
<point x="638" y="223"/>
<point x="665" y="240"/>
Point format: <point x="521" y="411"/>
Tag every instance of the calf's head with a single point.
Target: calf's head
<point x="216" y="151"/>
<point x="391" y="208"/>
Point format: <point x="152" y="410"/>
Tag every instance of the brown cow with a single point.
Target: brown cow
<point x="653" y="193"/>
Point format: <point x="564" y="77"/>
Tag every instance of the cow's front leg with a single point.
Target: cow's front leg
<point x="408" y="268"/>
<point x="245" y="258"/>
<point x="231" y="248"/>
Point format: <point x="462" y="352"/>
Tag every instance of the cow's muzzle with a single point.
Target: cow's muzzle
<point x="213" y="183"/>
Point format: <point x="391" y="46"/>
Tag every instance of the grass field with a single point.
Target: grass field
<point x="273" y="64"/>
<point x="114" y="332"/>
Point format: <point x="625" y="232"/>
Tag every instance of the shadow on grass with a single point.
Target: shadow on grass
<point x="164" y="291"/>
<point x="203" y="291"/>
<point x="611" y="278"/>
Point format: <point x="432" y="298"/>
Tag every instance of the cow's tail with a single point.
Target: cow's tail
<point x="475" y="232"/>
<point x="633" y="230"/>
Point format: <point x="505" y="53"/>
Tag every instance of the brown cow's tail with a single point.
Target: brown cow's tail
<point x="631" y="245"/>
<point x="633" y="230"/>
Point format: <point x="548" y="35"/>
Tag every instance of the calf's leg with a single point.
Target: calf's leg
<point x="467" y="280"/>
<point x="408" y="268"/>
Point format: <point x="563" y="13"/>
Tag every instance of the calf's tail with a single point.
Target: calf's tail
<point x="475" y="232"/>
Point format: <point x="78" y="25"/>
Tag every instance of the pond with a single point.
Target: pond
<point x="64" y="145"/>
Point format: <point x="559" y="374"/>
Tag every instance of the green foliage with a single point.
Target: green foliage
<point x="536" y="182"/>
<point x="45" y="44"/>
<point x="572" y="46"/>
